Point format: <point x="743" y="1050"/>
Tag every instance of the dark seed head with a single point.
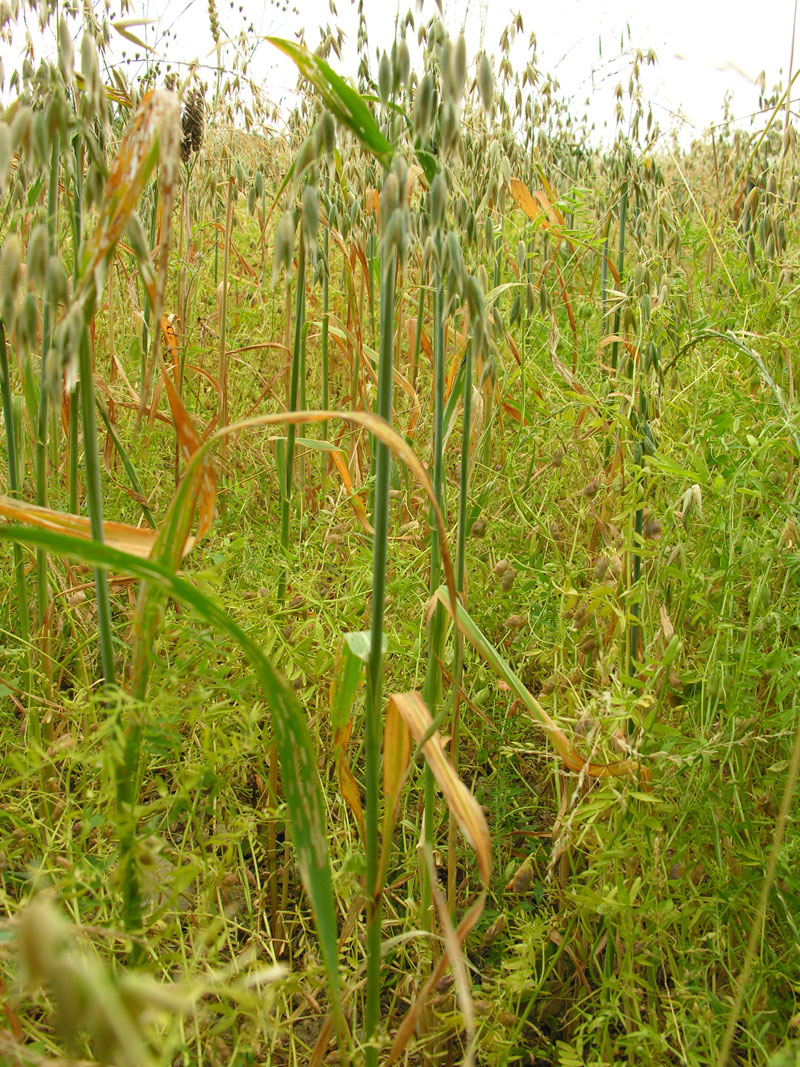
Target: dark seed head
<point x="192" y="123"/>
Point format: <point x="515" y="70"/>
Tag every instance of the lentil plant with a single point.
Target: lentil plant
<point x="400" y="648"/>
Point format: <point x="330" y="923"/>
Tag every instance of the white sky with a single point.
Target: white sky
<point x="705" y="48"/>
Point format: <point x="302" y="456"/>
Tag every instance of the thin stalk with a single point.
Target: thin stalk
<point x="223" y="318"/>
<point x="74" y="427"/>
<point x="13" y="486"/>
<point x="431" y="690"/>
<point x="638" y="478"/>
<point x="94" y="500"/>
<point x="75" y="401"/>
<point x="623" y="215"/>
<point x="43" y="413"/>
<point x="276" y="922"/>
<point x="294" y="398"/>
<point x="148" y="309"/>
<point x="324" y="344"/>
<point x="263" y="233"/>
<point x="461" y="575"/>
<point x="522" y="353"/>
<point x="287" y="328"/>
<point x="635" y="575"/>
<point x="183" y="233"/>
<point x="374" y="696"/>
<point x="74" y="407"/>
<point x="418" y="334"/>
<point x="786" y="138"/>
<point x="371" y="259"/>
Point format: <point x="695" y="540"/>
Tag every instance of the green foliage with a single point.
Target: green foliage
<point x="590" y="349"/>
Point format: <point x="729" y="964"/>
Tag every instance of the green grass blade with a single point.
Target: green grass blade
<point x="295" y="749"/>
<point x="341" y="99"/>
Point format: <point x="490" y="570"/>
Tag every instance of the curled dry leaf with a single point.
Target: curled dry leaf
<point x="467" y="811"/>
<point x="117" y="534"/>
<point x="472" y="823"/>
<point x="536" y="205"/>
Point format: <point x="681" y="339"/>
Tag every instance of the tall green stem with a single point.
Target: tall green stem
<point x="623" y="215"/>
<point x="94" y="500"/>
<point x="431" y="690"/>
<point x="13" y="486"/>
<point x="324" y="344"/>
<point x="294" y="399"/>
<point x="418" y="335"/>
<point x="461" y="574"/>
<point x="375" y="666"/>
<point x="74" y="407"/>
<point x="223" y="317"/>
<point x="41" y="429"/>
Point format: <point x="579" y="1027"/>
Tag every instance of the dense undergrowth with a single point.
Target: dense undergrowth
<point x="179" y="884"/>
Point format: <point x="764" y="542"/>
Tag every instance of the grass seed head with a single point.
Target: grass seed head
<point x="384" y="78"/>
<point x="450" y="127"/>
<point x="192" y="124"/>
<point x="284" y="245"/>
<point x="458" y="67"/>
<point x="486" y="83"/>
<point x="438" y="199"/>
<point x="310" y="214"/>
<point x="66" y="54"/>
<point x="424" y="104"/>
<point x="213" y="22"/>
<point x="5" y="153"/>
<point x="402" y="66"/>
<point x="10" y="275"/>
<point x="37" y="256"/>
<point x="326" y="134"/>
<point x="21" y="130"/>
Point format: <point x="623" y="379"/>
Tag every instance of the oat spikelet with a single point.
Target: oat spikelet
<point x="192" y="122"/>
<point x="213" y="22"/>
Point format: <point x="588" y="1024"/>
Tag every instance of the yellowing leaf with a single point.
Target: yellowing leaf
<point x="189" y="442"/>
<point x="118" y="535"/>
<point x="467" y="811"/>
<point x="536" y="205"/>
<point x="396" y="753"/>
